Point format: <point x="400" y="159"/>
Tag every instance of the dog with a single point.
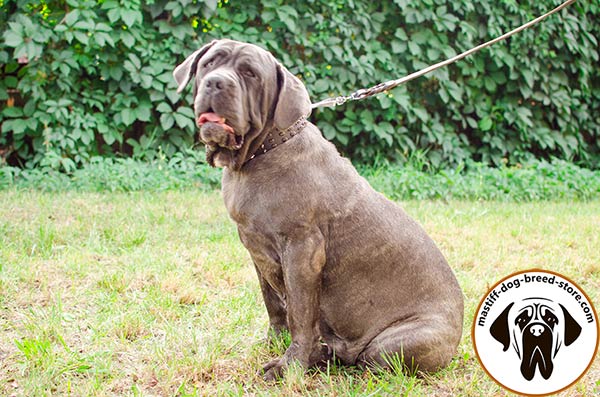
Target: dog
<point x="346" y="271"/>
<point x="537" y="327"/>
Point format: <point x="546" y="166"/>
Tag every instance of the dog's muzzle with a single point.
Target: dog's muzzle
<point x="537" y="350"/>
<point x="215" y="132"/>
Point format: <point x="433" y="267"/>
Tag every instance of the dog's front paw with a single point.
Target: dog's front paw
<point x="273" y="370"/>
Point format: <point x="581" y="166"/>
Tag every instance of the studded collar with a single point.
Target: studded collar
<point x="277" y="137"/>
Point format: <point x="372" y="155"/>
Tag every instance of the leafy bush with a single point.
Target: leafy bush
<point x="88" y="78"/>
<point x="103" y="174"/>
<point x="534" y="181"/>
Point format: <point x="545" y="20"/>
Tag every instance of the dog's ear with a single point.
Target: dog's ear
<point x="499" y="328"/>
<point x="184" y="72"/>
<point x="572" y="327"/>
<point x="293" y="101"/>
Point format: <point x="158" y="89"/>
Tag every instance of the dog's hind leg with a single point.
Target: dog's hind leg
<point x="421" y="345"/>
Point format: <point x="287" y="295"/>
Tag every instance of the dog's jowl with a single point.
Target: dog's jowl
<point x="345" y="270"/>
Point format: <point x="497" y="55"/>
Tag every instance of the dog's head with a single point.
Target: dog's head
<point x="240" y="92"/>
<point x="537" y="329"/>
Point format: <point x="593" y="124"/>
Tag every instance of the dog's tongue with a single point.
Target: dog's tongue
<point x="214" y="118"/>
<point x="210" y="118"/>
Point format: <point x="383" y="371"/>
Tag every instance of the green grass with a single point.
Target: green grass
<point x="151" y="293"/>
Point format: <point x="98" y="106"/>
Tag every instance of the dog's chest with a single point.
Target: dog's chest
<point x="235" y="196"/>
<point x="252" y="199"/>
<point x="257" y="231"/>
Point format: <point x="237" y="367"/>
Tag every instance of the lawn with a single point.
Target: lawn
<point x="151" y="293"/>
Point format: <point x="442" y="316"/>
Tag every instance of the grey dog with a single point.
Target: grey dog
<point x="345" y="270"/>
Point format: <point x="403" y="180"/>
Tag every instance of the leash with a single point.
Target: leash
<point x="388" y="85"/>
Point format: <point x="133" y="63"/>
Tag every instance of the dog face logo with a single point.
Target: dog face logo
<point x="536" y="328"/>
<point x="535" y="333"/>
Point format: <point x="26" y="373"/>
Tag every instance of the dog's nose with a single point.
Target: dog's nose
<point x="214" y="82"/>
<point x="536" y="330"/>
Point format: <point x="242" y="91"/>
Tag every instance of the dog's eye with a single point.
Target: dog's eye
<point x="248" y="72"/>
<point x="550" y="318"/>
<point x="211" y="61"/>
<point x="522" y="319"/>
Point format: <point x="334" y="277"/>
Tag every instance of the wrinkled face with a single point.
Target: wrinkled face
<point x="234" y="91"/>
<point x="536" y="328"/>
<point x="240" y="92"/>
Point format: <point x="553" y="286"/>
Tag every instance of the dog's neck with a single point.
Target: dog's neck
<point x="276" y="137"/>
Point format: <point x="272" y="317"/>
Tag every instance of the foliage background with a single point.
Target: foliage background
<point x="88" y="78"/>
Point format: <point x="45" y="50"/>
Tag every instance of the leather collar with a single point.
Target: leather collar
<point x="277" y="137"/>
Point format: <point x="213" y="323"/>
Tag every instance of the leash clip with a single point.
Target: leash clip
<point x="331" y="102"/>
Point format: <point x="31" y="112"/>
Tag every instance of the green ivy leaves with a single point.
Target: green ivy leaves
<point x="25" y="37"/>
<point x="82" y="78"/>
